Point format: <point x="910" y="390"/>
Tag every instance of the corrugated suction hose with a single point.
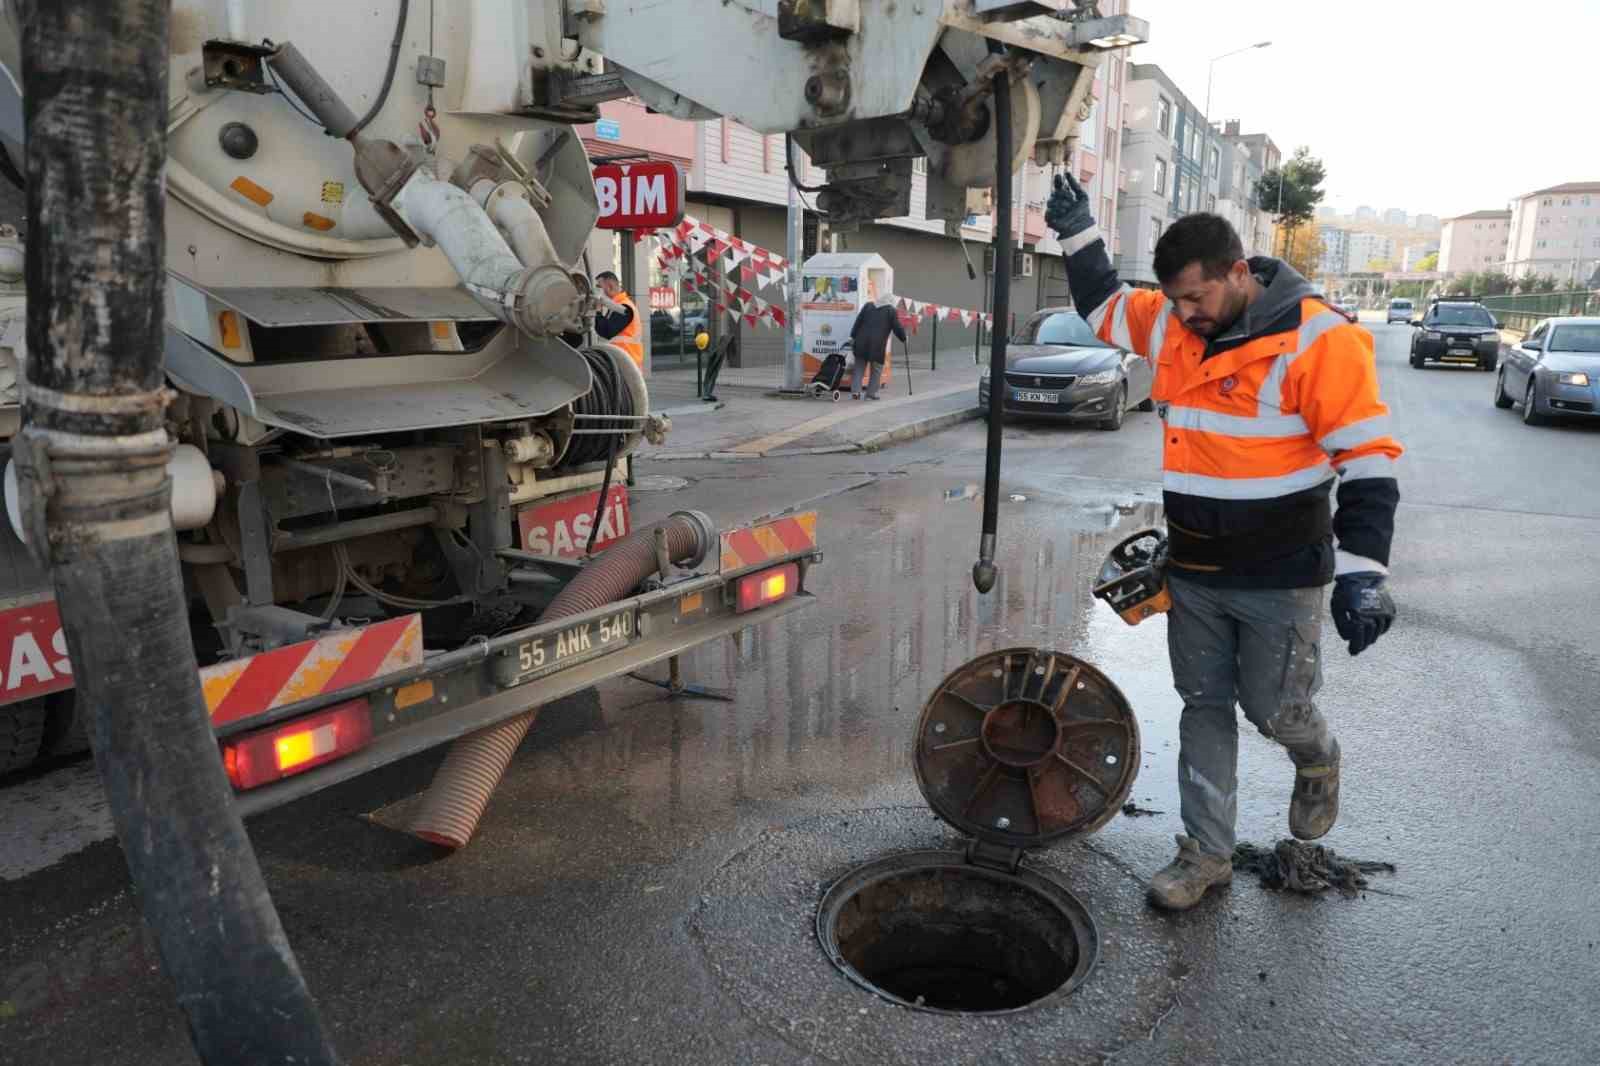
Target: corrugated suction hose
<point x="455" y="801"/>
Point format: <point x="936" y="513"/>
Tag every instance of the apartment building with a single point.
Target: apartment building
<point x="1476" y="241"/>
<point x="1555" y="231"/>
<point x="1335" y="250"/>
<point x="1394" y="216"/>
<point x="1173" y="165"/>
<point x="1416" y="253"/>
<point x="1367" y="248"/>
<point x="1242" y="167"/>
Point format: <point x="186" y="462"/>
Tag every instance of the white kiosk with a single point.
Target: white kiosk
<point x="834" y="286"/>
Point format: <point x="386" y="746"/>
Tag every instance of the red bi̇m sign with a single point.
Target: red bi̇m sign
<point x="643" y="195"/>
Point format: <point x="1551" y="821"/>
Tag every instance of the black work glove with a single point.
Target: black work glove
<point x="1068" y="210"/>
<point x="1363" y="610"/>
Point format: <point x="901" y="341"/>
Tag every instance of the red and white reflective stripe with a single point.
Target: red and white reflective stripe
<point x="791" y="535"/>
<point x="244" y="687"/>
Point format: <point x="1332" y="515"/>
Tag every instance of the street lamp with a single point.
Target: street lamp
<point x="1205" y="140"/>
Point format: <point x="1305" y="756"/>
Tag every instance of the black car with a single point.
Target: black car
<point x="1057" y="368"/>
<point x="1460" y="332"/>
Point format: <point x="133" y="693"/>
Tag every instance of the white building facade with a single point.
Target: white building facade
<point x="1474" y="242"/>
<point x="1555" y="231"/>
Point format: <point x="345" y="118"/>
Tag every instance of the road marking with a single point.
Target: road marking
<point x="50" y="817"/>
<point x="816" y="425"/>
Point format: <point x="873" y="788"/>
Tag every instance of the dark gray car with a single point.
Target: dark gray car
<point x="1057" y="368"/>
<point x="1555" y="371"/>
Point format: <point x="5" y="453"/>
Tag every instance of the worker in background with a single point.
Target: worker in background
<point x="869" y="341"/>
<point x="1268" y="398"/>
<point x="620" y="327"/>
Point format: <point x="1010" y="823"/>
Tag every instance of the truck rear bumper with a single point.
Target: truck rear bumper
<point x="404" y="739"/>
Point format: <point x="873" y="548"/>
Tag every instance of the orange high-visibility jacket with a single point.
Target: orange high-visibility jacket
<point x="1257" y="425"/>
<point x="630" y="339"/>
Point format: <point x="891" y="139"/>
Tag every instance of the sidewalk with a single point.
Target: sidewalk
<point x="749" y="423"/>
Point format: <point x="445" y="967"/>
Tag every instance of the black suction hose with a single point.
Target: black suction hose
<point x="983" y="571"/>
<point x="388" y="74"/>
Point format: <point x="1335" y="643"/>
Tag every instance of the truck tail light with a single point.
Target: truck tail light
<point x="268" y="755"/>
<point x="768" y="586"/>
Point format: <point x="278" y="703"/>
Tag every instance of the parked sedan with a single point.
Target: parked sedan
<point x="1554" y="371"/>
<point x="1057" y="368"/>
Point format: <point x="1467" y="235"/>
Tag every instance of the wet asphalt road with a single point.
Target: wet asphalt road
<point x="643" y="886"/>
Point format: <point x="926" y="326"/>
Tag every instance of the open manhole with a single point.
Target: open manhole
<point x="1017" y="748"/>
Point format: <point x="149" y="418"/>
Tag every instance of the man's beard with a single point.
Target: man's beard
<point x="1231" y="315"/>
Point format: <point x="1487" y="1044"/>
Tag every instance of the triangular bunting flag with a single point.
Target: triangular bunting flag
<point x="966" y="318"/>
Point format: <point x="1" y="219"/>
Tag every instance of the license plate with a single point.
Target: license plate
<point x="571" y="646"/>
<point x="1460" y="351"/>
<point x="1033" y="397"/>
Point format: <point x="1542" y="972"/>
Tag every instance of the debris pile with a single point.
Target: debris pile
<point x="1307" y="868"/>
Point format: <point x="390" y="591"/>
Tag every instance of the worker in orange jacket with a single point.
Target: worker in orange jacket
<point x="1268" y="398"/>
<point x="620" y="327"/>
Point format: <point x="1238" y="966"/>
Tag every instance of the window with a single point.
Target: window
<point x="1107" y="208"/>
<point x="1547" y="201"/>
<point x="1584" y="338"/>
<point x="1194" y="137"/>
<point x="1566" y="201"/>
<point x="1164" y="116"/>
<point x="1216" y="161"/>
<point x="1161" y="177"/>
<point x="1064" y="327"/>
<point x="1585" y="201"/>
<point x="1155" y="235"/>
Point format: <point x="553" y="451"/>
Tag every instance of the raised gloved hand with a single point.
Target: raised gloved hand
<point x="1363" y="611"/>
<point x="1068" y="210"/>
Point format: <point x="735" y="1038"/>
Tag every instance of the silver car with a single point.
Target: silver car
<point x="1554" y="372"/>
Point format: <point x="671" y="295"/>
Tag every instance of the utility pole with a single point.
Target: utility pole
<point x="92" y="461"/>
<point x="1205" y="135"/>
<point x="794" y="247"/>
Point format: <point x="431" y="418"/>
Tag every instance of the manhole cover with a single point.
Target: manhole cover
<point x="658" y="483"/>
<point x="931" y="931"/>
<point x="1016" y="748"/>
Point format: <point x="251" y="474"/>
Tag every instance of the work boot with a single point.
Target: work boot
<point x="1314" y="807"/>
<point x="1179" y="885"/>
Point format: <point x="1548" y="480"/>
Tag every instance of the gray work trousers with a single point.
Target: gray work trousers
<point x="1254" y="647"/>
<point x="858" y="372"/>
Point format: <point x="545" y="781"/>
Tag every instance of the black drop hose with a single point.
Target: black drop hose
<point x="388" y="74"/>
<point x="983" y="571"/>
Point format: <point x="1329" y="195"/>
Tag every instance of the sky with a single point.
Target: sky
<point x="1434" y="106"/>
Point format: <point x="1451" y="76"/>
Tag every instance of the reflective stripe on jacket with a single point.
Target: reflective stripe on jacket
<point x="1260" y="421"/>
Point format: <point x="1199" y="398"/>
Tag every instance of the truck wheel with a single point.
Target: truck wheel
<point x="21" y="734"/>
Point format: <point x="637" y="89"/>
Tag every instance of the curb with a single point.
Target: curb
<point x="921" y="427"/>
<point x="691" y="409"/>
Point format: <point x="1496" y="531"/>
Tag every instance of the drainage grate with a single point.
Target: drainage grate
<point x="930" y="931"/>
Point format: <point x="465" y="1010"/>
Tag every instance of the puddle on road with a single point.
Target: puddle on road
<point x="826" y="701"/>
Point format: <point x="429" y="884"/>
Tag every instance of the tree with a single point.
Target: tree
<point x="1429" y="262"/>
<point x="1462" y="284"/>
<point x="1304" y="250"/>
<point x="1493" y="283"/>
<point x="1292" y="192"/>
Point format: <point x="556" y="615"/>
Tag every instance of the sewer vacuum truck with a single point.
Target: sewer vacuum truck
<point x="380" y="351"/>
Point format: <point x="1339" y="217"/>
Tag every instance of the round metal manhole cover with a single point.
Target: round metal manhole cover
<point x="658" y="483"/>
<point x="1024" y="746"/>
<point x="931" y="931"/>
